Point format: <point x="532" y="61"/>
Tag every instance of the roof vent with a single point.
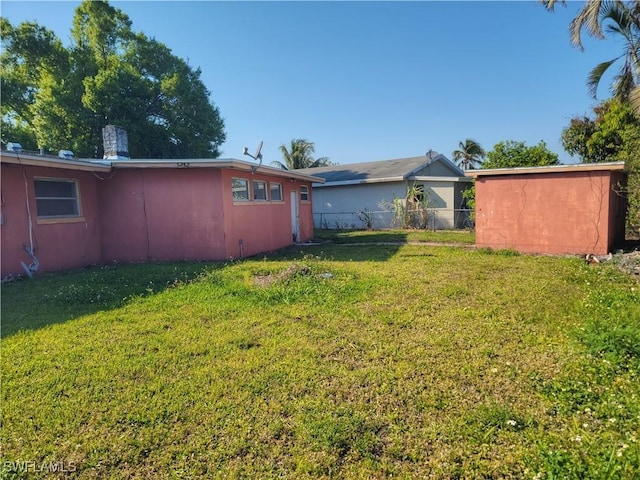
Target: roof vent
<point x="68" y="154"/>
<point x="14" y="147"/>
<point x="116" y="143"/>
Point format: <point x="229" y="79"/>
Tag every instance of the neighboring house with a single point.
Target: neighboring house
<point x="371" y="186"/>
<point x="560" y="209"/>
<point x="62" y="213"/>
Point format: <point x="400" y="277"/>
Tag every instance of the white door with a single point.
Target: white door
<point x="295" y="217"/>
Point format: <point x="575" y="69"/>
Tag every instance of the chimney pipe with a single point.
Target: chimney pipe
<point x="116" y="143"/>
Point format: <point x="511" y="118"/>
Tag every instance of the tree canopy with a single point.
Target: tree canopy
<point x="603" y="137"/>
<point x="510" y="153"/>
<point x="298" y="155"/>
<point x="57" y="97"/>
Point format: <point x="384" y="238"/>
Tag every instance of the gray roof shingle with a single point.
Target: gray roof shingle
<point x="399" y="169"/>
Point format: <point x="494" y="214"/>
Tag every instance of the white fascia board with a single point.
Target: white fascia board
<point x="53" y="162"/>
<point x="440" y="179"/>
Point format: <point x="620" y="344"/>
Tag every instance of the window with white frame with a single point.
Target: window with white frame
<point x="240" y="189"/>
<point x="304" y="193"/>
<point x="259" y="190"/>
<point x="276" y="192"/>
<point x="56" y="198"/>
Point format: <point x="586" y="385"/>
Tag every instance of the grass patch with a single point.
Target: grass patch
<point x="465" y="237"/>
<point x="412" y="361"/>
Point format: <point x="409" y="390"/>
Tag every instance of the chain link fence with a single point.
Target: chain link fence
<point x="437" y="219"/>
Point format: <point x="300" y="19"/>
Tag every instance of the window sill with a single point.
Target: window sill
<point x="50" y="221"/>
<point x="257" y="202"/>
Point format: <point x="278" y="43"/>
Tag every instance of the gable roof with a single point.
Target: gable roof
<point x="394" y="170"/>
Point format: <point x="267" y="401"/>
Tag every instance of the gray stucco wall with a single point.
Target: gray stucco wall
<point x="337" y="207"/>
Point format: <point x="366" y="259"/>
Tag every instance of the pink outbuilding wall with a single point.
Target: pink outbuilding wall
<point x="146" y="211"/>
<point x="555" y="210"/>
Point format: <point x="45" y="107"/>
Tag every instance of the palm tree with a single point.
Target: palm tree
<point x="469" y="155"/>
<point x="299" y="155"/>
<point x="624" y="20"/>
<point x="588" y="17"/>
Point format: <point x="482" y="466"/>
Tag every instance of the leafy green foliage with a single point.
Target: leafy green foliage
<point x="510" y="153"/>
<point x="575" y="139"/>
<point x="59" y="97"/>
<point x="602" y="138"/>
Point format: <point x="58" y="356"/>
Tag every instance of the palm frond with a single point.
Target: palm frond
<point x="634" y="100"/>
<point x="596" y="75"/>
<point x="589" y="18"/>
<point x="624" y="82"/>
<point x="278" y="164"/>
<point x="550" y="4"/>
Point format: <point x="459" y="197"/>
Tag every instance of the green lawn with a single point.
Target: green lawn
<point x="410" y="361"/>
<point x="466" y="237"/>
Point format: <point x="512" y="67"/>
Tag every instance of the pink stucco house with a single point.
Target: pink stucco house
<point x="560" y="209"/>
<point x="60" y="213"/>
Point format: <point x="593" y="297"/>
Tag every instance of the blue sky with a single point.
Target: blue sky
<point x="371" y="80"/>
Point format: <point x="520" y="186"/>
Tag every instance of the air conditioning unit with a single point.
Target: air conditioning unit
<point x="14" y="147"/>
<point x="68" y="154"/>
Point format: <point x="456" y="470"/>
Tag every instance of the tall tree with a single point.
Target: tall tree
<point x="621" y="19"/>
<point x="30" y="53"/>
<point x="108" y="75"/>
<point x="469" y="154"/>
<point x="624" y="22"/>
<point x="510" y="154"/>
<point x="602" y="138"/>
<point x="298" y="155"/>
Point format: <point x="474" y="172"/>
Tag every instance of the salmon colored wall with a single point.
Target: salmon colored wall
<point x="262" y="226"/>
<point x="132" y="215"/>
<point x="162" y="214"/>
<point x="306" y="214"/>
<point x="57" y="245"/>
<point x="557" y="213"/>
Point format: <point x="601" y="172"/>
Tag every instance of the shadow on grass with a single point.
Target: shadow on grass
<point x="361" y="236"/>
<point x="49" y="299"/>
<point x="52" y="298"/>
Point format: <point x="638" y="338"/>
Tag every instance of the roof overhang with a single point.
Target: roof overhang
<point x="53" y="162"/>
<point x="109" y="165"/>
<point x="581" y="167"/>
<point x="230" y="163"/>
